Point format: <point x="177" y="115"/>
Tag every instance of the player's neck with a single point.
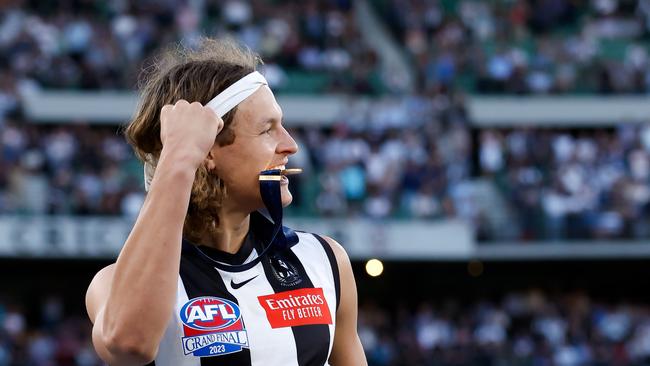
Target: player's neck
<point x="233" y="227"/>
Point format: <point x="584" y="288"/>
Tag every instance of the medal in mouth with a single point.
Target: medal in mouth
<point x="277" y="173"/>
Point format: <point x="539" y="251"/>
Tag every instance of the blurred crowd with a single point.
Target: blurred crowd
<point x="520" y="329"/>
<point x="405" y="157"/>
<point x="525" y="47"/>
<point x="412" y="157"/>
<point x="401" y="156"/>
<point x="67" y="169"/>
<point x="585" y="184"/>
<point x="514" y="47"/>
<point x="92" y="44"/>
<point x="45" y="336"/>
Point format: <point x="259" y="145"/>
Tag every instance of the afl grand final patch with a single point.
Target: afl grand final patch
<point x="212" y="326"/>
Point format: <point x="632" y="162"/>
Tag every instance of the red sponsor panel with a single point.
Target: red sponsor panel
<point x="298" y="307"/>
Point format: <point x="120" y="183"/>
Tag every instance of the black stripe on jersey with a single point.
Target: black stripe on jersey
<point x="335" y="268"/>
<point x="201" y="279"/>
<point x="312" y="340"/>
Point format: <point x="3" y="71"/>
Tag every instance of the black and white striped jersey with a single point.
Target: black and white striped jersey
<point x="281" y="312"/>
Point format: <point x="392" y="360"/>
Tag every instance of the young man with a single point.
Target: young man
<point x="196" y="282"/>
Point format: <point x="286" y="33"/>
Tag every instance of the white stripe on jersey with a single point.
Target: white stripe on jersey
<point x="317" y="265"/>
<point x="268" y="346"/>
<point x="170" y="352"/>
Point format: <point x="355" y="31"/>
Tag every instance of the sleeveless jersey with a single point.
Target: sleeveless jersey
<point x="281" y="312"/>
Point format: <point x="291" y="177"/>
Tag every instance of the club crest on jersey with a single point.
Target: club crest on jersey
<point x="212" y="326"/>
<point x="284" y="271"/>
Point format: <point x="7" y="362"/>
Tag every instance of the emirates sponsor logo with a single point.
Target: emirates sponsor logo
<point x="298" y="307"/>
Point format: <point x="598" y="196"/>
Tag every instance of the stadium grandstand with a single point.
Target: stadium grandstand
<point x="494" y="155"/>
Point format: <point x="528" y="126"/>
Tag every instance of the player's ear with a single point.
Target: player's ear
<point x="210" y="160"/>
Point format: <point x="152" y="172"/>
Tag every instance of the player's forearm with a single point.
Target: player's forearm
<point x="146" y="273"/>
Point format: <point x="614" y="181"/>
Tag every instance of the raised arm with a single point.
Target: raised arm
<point x="130" y="302"/>
<point x="347" y="349"/>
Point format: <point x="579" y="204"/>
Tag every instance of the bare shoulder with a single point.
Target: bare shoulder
<point x="98" y="290"/>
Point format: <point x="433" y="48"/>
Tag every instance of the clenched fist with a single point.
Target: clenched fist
<point x="189" y="130"/>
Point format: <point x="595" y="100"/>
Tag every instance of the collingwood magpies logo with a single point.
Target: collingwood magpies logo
<point x="286" y="273"/>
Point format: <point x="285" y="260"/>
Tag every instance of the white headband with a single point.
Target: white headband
<point x="236" y="93"/>
<point x="222" y="104"/>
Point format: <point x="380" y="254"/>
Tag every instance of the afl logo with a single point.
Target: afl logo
<point x="209" y="313"/>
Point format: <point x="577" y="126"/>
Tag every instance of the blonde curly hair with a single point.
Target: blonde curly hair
<point x="196" y="75"/>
